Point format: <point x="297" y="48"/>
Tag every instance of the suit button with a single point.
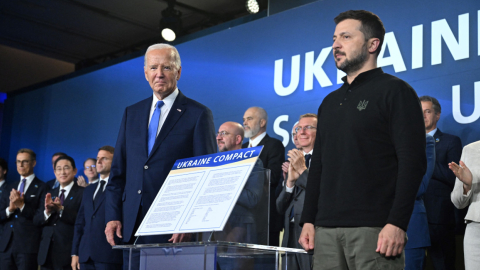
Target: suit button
<point x="139" y="191"/>
<point x="93" y="216"/>
<point x="146" y="167"/>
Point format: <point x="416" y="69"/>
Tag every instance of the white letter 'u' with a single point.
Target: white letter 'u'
<point x="457" y="114"/>
<point x="278" y="77"/>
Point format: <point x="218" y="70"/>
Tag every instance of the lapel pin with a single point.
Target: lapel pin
<point x="437" y="140"/>
<point x="71" y="198"/>
<point x="179" y="110"/>
<point x="36" y="186"/>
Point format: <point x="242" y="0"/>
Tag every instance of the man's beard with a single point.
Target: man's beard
<point x="253" y="131"/>
<point x="350" y="66"/>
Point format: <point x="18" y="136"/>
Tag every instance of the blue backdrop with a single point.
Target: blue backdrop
<point x="282" y="63"/>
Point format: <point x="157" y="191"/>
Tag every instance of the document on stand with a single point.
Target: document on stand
<point x="199" y="193"/>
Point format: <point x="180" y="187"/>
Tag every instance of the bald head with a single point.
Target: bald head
<point x="255" y="122"/>
<point x="230" y="136"/>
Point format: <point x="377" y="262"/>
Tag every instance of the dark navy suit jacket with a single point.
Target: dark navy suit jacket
<point x="440" y="209"/>
<point x="27" y="235"/>
<point x="417" y="232"/>
<point x="89" y="241"/>
<point x="136" y="177"/>
<point x="57" y="233"/>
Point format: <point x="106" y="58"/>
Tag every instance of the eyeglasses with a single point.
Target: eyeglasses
<point x="90" y="167"/>
<point x="305" y="128"/>
<point x="66" y="169"/>
<point x="222" y="133"/>
<point x="23" y="162"/>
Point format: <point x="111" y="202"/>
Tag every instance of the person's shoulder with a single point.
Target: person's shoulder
<point x="394" y="83"/>
<point x="141" y="104"/>
<point x="273" y="141"/>
<point x="472" y="146"/>
<point x="191" y="103"/>
<point x="450" y="136"/>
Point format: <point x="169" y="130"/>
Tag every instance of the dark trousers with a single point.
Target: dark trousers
<point x="17" y="261"/>
<point x="91" y="265"/>
<point x="415" y="258"/>
<point x="442" y="249"/>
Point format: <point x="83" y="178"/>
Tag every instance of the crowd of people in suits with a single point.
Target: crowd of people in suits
<point x="72" y="223"/>
<point x="57" y="224"/>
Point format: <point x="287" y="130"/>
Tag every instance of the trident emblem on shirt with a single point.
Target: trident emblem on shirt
<point x="362" y="105"/>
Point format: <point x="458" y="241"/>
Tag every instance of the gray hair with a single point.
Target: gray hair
<point x="174" y="53"/>
<point x="435" y="104"/>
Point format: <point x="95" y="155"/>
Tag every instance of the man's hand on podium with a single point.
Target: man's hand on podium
<point x="113" y="227"/>
<point x="180" y="237"/>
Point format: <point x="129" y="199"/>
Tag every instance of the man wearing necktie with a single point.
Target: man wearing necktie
<point x="291" y="199"/>
<point x="154" y="133"/>
<point x="90" y="249"/>
<point x="58" y="217"/>
<point x="273" y="154"/>
<point x="20" y="239"/>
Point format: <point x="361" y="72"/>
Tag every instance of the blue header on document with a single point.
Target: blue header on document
<point x="218" y="159"/>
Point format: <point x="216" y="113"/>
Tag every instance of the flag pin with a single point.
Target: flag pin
<point x="179" y="110"/>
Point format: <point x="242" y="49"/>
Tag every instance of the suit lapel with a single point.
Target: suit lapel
<point x="264" y="140"/>
<point x="71" y="195"/>
<point x="438" y="136"/>
<point x="144" y="116"/>
<point x="100" y="200"/>
<point x="177" y="110"/>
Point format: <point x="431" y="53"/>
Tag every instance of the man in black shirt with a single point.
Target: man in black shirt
<point x="369" y="157"/>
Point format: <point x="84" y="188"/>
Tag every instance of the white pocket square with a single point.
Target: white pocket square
<point x="32" y="196"/>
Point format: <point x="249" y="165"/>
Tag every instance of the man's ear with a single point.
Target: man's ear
<point x="263" y="123"/>
<point x="238" y="140"/>
<point x="373" y="44"/>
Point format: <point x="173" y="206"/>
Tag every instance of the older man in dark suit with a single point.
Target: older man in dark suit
<point x="440" y="209"/>
<point x="154" y="133"/>
<point x="273" y="155"/>
<point x="20" y="239"/>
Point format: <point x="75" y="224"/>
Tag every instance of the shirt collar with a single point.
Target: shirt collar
<point x="168" y="100"/>
<point x="29" y="178"/>
<point x="432" y="132"/>
<point x="2" y="182"/>
<point x="311" y="152"/>
<point x="106" y="179"/>
<point x="67" y="188"/>
<point x="364" y="76"/>
<point x="258" y="139"/>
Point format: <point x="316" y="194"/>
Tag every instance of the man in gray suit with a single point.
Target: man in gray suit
<point x="290" y="201"/>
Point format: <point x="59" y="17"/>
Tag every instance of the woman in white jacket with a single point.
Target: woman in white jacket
<point x="467" y="193"/>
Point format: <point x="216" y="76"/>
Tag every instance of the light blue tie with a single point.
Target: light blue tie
<point x="153" y="127"/>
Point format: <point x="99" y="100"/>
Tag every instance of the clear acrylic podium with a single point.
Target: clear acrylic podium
<point x="242" y="244"/>
<point x="215" y="255"/>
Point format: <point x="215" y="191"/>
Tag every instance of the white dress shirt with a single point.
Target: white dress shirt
<point x="28" y="181"/>
<point x="257" y="140"/>
<point x="431" y="133"/>
<point x="98" y="186"/>
<point x="164" y="110"/>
